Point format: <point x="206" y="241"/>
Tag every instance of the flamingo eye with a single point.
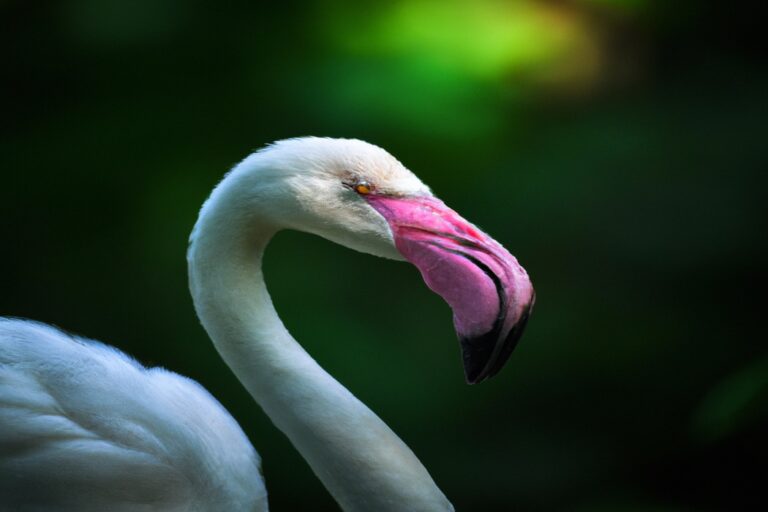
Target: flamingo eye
<point x="363" y="188"/>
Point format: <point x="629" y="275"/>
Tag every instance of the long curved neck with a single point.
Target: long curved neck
<point x="363" y="464"/>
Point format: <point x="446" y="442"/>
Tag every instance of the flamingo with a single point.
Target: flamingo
<point x="84" y="427"/>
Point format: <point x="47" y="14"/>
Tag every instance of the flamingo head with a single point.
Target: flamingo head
<point x="358" y="195"/>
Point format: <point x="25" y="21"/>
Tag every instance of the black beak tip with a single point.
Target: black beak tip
<point x="474" y="359"/>
<point x="481" y="356"/>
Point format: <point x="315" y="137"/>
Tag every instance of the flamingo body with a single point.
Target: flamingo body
<point x="86" y="428"/>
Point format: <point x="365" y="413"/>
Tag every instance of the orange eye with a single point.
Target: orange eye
<point x="363" y="188"/>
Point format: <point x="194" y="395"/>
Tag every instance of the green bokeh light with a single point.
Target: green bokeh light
<point x="480" y="39"/>
<point x="440" y="67"/>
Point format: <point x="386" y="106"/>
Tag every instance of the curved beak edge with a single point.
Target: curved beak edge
<point x="490" y="294"/>
<point x="485" y="355"/>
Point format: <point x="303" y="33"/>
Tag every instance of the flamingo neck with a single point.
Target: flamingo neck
<point x="360" y="460"/>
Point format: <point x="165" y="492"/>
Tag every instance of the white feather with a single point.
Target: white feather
<point x="87" y="428"/>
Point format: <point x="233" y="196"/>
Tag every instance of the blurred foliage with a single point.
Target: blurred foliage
<point x="615" y="147"/>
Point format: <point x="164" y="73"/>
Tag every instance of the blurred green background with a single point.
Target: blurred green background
<point x="617" y="148"/>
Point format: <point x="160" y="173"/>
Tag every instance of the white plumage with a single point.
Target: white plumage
<point x="83" y="427"/>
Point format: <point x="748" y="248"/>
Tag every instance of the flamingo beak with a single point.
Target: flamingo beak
<point x="489" y="292"/>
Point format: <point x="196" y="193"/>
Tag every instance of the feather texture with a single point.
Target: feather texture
<point x="83" y="427"/>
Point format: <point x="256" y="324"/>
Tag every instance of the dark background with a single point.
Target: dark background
<point x="615" y="147"/>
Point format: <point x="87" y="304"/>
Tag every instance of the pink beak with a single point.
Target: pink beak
<point x="489" y="292"/>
